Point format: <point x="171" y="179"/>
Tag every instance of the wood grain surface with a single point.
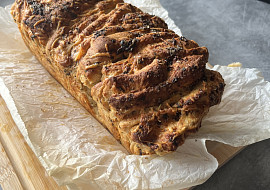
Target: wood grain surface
<point x="8" y="177"/>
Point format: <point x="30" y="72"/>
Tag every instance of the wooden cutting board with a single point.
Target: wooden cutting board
<point x="21" y="169"/>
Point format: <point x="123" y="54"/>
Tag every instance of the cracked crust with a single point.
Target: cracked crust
<point x="142" y="81"/>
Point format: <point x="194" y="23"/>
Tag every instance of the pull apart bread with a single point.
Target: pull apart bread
<point x="148" y="86"/>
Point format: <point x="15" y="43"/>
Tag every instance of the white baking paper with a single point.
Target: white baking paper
<point x="79" y="153"/>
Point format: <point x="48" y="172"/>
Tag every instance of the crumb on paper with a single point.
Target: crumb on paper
<point x="235" y="64"/>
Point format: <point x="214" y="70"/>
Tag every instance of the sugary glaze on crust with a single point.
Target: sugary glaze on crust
<point x="142" y="81"/>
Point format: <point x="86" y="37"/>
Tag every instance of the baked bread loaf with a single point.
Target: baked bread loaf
<point x="148" y="86"/>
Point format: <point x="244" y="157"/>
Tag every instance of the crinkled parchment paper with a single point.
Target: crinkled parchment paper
<point x="78" y="152"/>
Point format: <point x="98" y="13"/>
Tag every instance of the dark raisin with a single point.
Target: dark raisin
<point x="182" y="38"/>
<point x="130" y="97"/>
<point x="204" y="78"/>
<point x="154" y="146"/>
<point x="189" y="102"/>
<point x="171" y="138"/>
<point x="175" y="80"/>
<point x="177" y="116"/>
<point x="165" y="116"/>
<point x="221" y="86"/>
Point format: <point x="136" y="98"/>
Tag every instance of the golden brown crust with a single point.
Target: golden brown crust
<point x="142" y="81"/>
